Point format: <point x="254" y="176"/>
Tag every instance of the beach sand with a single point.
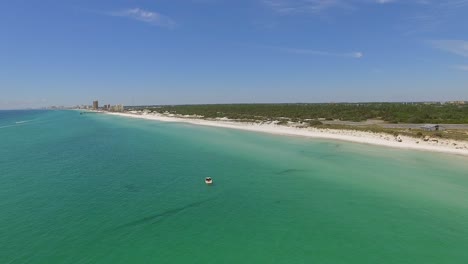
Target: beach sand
<point x="380" y="139"/>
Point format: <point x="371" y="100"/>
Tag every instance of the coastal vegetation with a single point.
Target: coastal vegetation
<point x="416" y="113"/>
<point x="370" y="117"/>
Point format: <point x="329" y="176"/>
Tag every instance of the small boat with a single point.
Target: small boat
<point x="208" y="180"/>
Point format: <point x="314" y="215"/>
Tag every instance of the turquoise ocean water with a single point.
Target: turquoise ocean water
<point x="96" y="188"/>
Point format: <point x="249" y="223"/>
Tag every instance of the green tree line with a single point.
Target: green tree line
<point x="390" y="112"/>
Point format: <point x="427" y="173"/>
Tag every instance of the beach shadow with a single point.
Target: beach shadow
<point x="131" y="188"/>
<point x="289" y="171"/>
<point x="159" y="216"/>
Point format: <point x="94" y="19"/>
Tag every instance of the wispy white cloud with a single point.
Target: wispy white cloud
<point x="353" y="55"/>
<point x="433" y="15"/>
<point x="304" y="6"/>
<point x="439" y="3"/>
<point x="317" y="6"/>
<point x="454" y="3"/>
<point x="150" y="17"/>
<point x="458" y="47"/>
<point x="461" y="67"/>
<point x="384" y="1"/>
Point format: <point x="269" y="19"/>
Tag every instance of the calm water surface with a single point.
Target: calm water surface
<point x="95" y="188"/>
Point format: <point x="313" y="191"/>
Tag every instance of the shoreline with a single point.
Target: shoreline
<point x="379" y="139"/>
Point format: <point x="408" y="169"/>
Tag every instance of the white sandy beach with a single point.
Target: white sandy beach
<point x="381" y="139"/>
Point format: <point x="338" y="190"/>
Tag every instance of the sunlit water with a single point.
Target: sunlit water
<point x="95" y="188"/>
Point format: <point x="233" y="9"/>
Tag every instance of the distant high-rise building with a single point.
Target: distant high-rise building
<point x="95" y="105"/>
<point x="117" y="108"/>
<point x="120" y="108"/>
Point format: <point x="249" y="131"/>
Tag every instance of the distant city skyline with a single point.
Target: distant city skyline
<point x="217" y="51"/>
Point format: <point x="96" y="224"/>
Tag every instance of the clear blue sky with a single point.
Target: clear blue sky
<point x="56" y="52"/>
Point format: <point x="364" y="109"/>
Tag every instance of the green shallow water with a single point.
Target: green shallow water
<point x="102" y="189"/>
